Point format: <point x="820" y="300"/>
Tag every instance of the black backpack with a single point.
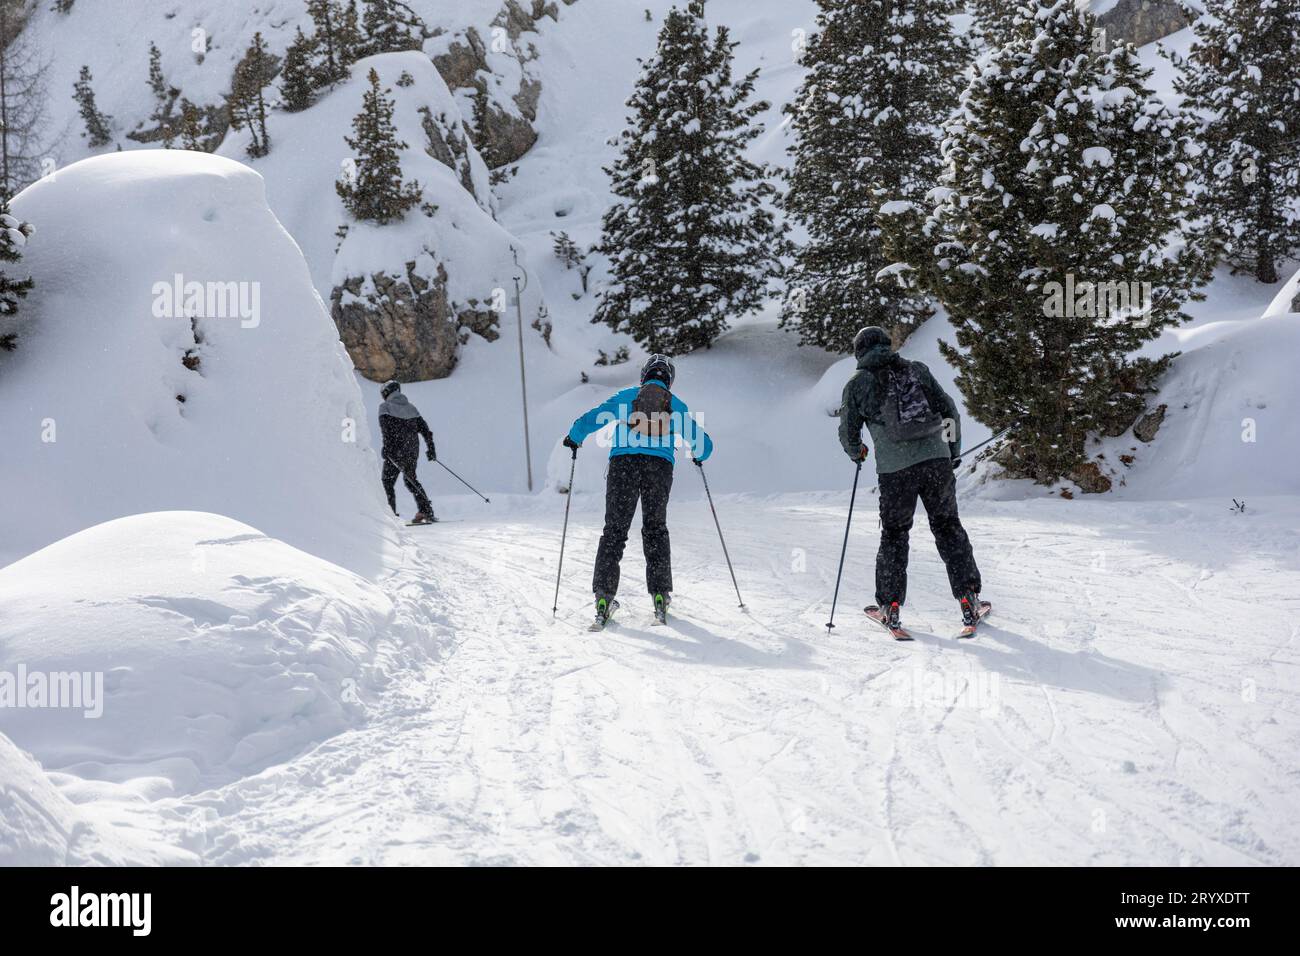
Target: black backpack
<point x="651" y="411"/>
<point x="906" y="409"/>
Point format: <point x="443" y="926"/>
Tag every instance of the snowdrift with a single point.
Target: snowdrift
<point x="125" y="397"/>
<point x="204" y="649"/>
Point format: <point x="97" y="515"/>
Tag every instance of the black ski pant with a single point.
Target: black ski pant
<point x="405" y="466"/>
<point x="933" y="482"/>
<point x="647" y="479"/>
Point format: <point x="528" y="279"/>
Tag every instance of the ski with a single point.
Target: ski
<point x="603" y="616"/>
<point x="968" y="630"/>
<point x="874" y="613"/>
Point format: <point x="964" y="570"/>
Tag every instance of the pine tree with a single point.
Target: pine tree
<point x="164" y="96"/>
<point x="296" y="82"/>
<point x="156" y="81"/>
<point x="13" y="237"/>
<point x="375" y="192"/>
<point x="247" y="98"/>
<point x="391" y="26"/>
<point x="998" y="22"/>
<point x="690" y="242"/>
<point x="865" y="120"/>
<point x="97" y="124"/>
<point x="191" y="126"/>
<point x="1240" y="75"/>
<point x="327" y="16"/>
<point x="1056" y="240"/>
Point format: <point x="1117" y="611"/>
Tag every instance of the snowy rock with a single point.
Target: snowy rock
<point x="1143" y="21"/>
<point x="1090" y="479"/>
<point x="1146" y="427"/>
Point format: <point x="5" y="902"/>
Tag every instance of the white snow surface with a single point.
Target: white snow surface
<point x="272" y="429"/>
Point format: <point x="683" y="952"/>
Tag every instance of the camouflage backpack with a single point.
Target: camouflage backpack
<point x="651" y="411"/>
<point x="906" y="409"/>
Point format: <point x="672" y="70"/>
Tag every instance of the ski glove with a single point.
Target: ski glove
<point x="956" y="463"/>
<point x="699" y="462"/>
<point x="570" y="443"/>
<point x="861" y="456"/>
<point x="432" y="454"/>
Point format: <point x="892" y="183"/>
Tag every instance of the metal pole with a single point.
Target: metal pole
<point x="709" y="494"/>
<point x="555" y="605"/>
<point x="464" y="482"/>
<point x="844" y="550"/>
<point x="523" y="380"/>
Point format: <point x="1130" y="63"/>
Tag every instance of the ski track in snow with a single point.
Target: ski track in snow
<point x="1125" y="704"/>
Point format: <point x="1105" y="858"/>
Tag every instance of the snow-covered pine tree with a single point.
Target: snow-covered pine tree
<point x="351" y="42"/>
<point x="391" y="25"/>
<point x="13" y="236"/>
<point x="1241" y="76"/>
<point x="97" y="131"/>
<point x="998" y="22"/>
<point x="191" y="127"/>
<point x="689" y="241"/>
<point x="247" y="100"/>
<point x="1054" y="242"/>
<point x="296" y="84"/>
<point x="880" y="82"/>
<point x="336" y="37"/>
<point x="375" y="191"/>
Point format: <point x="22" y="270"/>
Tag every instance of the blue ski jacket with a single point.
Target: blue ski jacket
<point x="628" y="441"/>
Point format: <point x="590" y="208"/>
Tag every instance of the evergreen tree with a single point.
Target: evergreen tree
<point x="1055" y="240"/>
<point x="998" y="22"/>
<point x="880" y="81"/>
<point x="163" y="94"/>
<point x="351" y="42"/>
<point x="1241" y="76"/>
<point x="327" y="16"/>
<point x="375" y="191"/>
<point x="247" y="99"/>
<point x="296" y="81"/>
<point x="689" y="242"/>
<point x="390" y="26"/>
<point x="191" y="127"/>
<point x="13" y="236"/>
<point x="97" y="131"/>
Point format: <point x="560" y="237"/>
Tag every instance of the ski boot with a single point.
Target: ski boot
<point x="973" y="610"/>
<point x="605" y="608"/>
<point x="888" y="618"/>
<point x="661" y="607"/>
<point x="422" y="518"/>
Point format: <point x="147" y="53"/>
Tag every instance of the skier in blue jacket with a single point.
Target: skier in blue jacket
<point x="650" y="419"/>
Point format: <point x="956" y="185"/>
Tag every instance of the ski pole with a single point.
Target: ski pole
<point x="465" y="483"/>
<point x="986" y="441"/>
<point x="555" y="605"/>
<point x="700" y="465"/>
<point x="844" y="550"/>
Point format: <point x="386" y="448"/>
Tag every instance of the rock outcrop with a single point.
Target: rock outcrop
<point x="1143" y="21"/>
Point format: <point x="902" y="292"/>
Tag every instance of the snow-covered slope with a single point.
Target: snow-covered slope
<point x="101" y="417"/>
<point x="218" y="650"/>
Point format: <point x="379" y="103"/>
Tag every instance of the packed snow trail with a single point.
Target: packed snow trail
<point x="1133" y="702"/>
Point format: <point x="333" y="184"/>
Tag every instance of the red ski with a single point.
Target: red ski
<point x="878" y="615"/>
<point x="969" y="630"/>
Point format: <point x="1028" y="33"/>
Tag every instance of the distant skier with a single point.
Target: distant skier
<point x="916" y="430"/>
<point x="401" y="426"/>
<point x="650" y="419"/>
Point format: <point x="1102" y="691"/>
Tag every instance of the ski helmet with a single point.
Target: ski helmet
<point x="870" y="337"/>
<point x="389" y="389"/>
<point x="660" y="368"/>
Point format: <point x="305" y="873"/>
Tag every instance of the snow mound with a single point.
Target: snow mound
<point x="205" y="650"/>
<point x="1230" y="426"/>
<point x="119" y="400"/>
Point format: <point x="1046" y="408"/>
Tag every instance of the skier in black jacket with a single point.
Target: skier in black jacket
<point x="914" y="459"/>
<point x="401" y="426"/>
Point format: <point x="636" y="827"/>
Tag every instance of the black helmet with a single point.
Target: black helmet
<point x="869" y="338"/>
<point x="660" y="368"/>
<point x="389" y="389"/>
